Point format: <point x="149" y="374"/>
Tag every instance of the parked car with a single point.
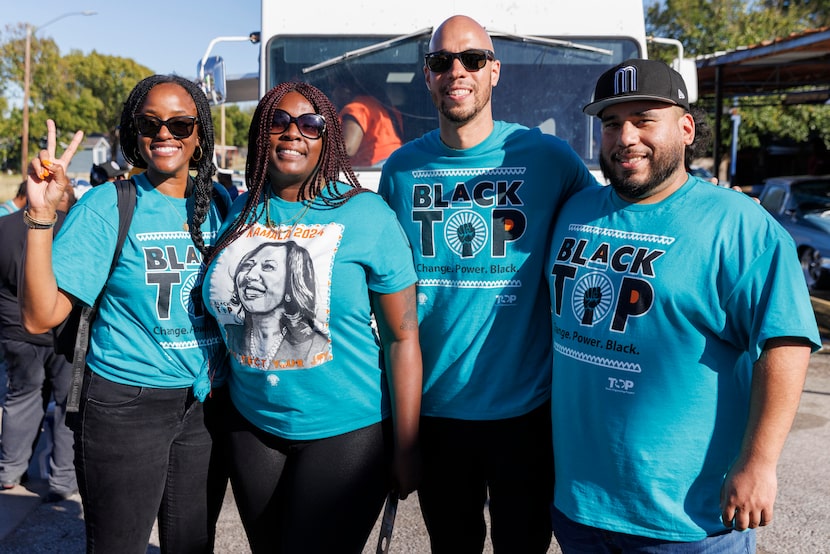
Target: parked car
<point x="802" y="205"/>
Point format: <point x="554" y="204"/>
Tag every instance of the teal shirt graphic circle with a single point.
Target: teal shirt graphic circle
<point x="194" y="280"/>
<point x="592" y="298"/>
<point x="466" y="233"/>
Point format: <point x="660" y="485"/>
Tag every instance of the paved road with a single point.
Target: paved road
<point x="802" y="513"/>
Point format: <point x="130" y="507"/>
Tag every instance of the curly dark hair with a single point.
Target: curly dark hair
<point x="703" y="136"/>
<point x="333" y="163"/>
<point x="203" y="181"/>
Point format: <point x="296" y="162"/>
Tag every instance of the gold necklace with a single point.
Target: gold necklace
<point x="185" y="226"/>
<point x="292" y="221"/>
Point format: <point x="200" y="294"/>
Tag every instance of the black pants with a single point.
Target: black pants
<point x="217" y="406"/>
<point x="317" y="496"/>
<point x="509" y="459"/>
<point x="142" y="453"/>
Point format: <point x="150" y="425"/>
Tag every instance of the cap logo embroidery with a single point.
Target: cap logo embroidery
<point x="680" y="94"/>
<point x="625" y="80"/>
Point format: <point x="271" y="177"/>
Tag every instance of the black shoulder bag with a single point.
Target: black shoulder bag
<point x="72" y="336"/>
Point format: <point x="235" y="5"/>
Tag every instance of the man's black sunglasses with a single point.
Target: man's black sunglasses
<point x="310" y="125"/>
<point x="180" y="126"/>
<point x="472" y="60"/>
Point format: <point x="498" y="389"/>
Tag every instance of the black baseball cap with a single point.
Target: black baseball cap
<point x="638" y="79"/>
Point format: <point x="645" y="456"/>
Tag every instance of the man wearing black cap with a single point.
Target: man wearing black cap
<point x="683" y="330"/>
<point x="108" y="171"/>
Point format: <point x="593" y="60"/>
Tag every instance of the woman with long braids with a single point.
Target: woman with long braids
<point x="142" y="449"/>
<point x="305" y="266"/>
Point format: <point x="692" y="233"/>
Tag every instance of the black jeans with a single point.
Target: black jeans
<point x="463" y="461"/>
<point x="142" y="453"/>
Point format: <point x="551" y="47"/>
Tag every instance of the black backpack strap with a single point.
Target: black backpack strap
<point x="126" y="195"/>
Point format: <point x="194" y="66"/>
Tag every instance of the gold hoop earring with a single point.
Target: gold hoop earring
<point x="201" y="154"/>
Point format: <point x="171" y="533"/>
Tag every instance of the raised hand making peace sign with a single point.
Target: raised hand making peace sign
<point x="46" y="179"/>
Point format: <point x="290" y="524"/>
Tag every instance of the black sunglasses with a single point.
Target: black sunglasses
<point x="310" y="125"/>
<point x="180" y="126"/>
<point x="472" y="60"/>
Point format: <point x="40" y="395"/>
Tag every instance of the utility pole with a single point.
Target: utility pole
<point x="27" y="79"/>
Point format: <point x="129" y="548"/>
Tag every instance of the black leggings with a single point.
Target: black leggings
<point x="317" y="496"/>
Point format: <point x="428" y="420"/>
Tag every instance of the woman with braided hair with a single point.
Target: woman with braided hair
<point x="142" y="449"/>
<point x="313" y="287"/>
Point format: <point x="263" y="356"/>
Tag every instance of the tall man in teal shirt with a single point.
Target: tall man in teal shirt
<point x="477" y="199"/>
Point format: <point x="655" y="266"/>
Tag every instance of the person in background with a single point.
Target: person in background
<point x="108" y="171"/>
<point x="700" y="146"/>
<point x="372" y="129"/>
<point x="14" y="204"/>
<point x="477" y="198"/>
<point x="297" y="283"/>
<point x="36" y="376"/>
<point x="226" y="180"/>
<point x="683" y="331"/>
<point x="100" y="174"/>
<point x="141" y="443"/>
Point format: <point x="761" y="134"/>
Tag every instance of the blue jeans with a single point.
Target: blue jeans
<point x="36" y="374"/>
<point x="142" y="453"/>
<point x="576" y="538"/>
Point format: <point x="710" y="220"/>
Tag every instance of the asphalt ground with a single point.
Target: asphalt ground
<point x="801" y="522"/>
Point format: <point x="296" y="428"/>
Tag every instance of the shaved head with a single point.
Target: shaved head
<point x="460" y="30"/>
<point x="461" y="95"/>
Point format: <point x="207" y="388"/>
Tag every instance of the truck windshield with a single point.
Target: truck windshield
<point x="543" y="83"/>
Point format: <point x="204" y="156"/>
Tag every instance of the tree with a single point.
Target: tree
<point x="707" y="27"/>
<point x="237" y="123"/>
<point x="78" y="91"/>
<point x="720" y="25"/>
<point x="101" y="84"/>
<point x="46" y="78"/>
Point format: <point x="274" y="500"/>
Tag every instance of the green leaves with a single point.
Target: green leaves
<point x="79" y="91"/>
<point x="722" y="25"/>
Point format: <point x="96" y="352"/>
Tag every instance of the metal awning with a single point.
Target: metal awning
<point x="800" y="60"/>
<point x="797" y="66"/>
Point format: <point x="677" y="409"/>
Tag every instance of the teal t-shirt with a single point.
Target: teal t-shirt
<point x="659" y="312"/>
<point x="148" y="330"/>
<point x="292" y="302"/>
<point x="478" y="221"/>
<point x="8" y="207"/>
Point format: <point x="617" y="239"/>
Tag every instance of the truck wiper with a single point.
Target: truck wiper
<point x="367" y="50"/>
<point x="551" y="42"/>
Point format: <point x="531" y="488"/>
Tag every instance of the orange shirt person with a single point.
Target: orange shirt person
<point x="369" y="131"/>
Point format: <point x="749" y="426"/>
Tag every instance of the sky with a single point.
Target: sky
<point x="168" y="36"/>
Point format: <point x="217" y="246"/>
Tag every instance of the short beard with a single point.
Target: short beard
<point x="662" y="169"/>
<point x="457" y="114"/>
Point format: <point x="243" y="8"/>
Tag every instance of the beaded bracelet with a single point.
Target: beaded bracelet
<point x="33" y="223"/>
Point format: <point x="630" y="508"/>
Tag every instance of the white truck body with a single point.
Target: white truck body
<point x="551" y="54"/>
